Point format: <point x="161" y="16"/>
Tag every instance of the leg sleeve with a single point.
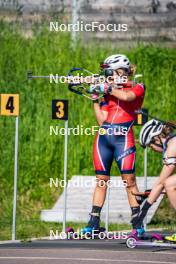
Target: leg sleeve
<point x="102" y="155"/>
<point x="125" y="156"/>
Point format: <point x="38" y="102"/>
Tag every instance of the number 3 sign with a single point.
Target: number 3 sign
<point x="60" y="109"/>
<point x="10" y="104"/>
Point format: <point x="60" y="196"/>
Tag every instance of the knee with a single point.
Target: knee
<point x="129" y="181"/>
<point x="168" y="185"/>
<point x="101" y="181"/>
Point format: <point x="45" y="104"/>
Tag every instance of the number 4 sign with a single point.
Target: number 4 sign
<point x="10" y="104"/>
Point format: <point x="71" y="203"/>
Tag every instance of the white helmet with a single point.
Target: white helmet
<point x="151" y="129"/>
<point x="117" y="61"/>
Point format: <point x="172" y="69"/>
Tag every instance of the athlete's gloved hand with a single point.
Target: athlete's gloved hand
<point x="99" y="88"/>
<point x="94" y="96"/>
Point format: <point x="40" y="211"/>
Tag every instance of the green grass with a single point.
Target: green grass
<point x="37" y="229"/>
<point x="41" y="155"/>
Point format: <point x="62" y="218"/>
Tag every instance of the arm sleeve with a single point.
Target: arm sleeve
<point x="139" y="90"/>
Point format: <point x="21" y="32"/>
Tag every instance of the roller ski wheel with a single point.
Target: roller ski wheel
<point x="131" y="242"/>
<point x="135" y="236"/>
<point x="69" y="232"/>
<point x="132" y="239"/>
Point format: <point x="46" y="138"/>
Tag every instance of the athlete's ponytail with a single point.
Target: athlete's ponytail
<point x="132" y="69"/>
<point x="167" y="130"/>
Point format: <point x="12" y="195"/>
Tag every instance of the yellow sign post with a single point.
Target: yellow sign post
<point x="60" y="112"/>
<point x="141" y="118"/>
<point x="10" y="107"/>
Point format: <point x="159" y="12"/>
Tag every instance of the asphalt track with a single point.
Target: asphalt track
<point x="83" y="251"/>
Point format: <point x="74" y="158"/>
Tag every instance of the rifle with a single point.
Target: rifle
<point x="81" y="86"/>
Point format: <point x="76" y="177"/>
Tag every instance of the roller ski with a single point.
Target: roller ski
<point x="135" y="239"/>
<point x="86" y="233"/>
<point x="171" y="238"/>
<point x="139" y="237"/>
<point x="167" y="241"/>
<point x="91" y="233"/>
<point x="101" y="233"/>
<point x="154" y="241"/>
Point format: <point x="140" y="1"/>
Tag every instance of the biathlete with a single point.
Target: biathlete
<point x="115" y="115"/>
<point x="160" y="138"/>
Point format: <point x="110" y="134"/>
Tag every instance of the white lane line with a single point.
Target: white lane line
<point x="90" y="259"/>
<point x="165" y="253"/>
<point x="153" y="250"/>
<point x="10" y="242"/>
<point x="159" y="250"/>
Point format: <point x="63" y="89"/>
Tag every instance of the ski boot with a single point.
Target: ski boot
<point x="91" y="232"/>
<point x="85" y="233"/>
<point x="137" y="233"/>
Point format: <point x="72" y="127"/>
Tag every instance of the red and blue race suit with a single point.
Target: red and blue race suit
<point x="117" y="140"/>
